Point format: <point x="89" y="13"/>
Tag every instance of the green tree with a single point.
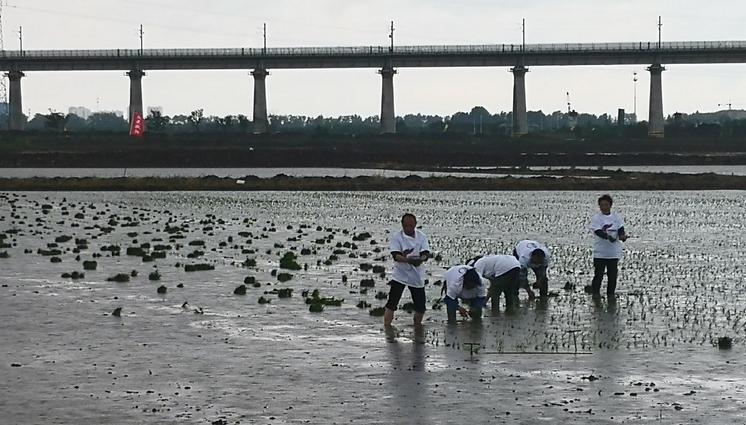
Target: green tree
<point x="55" y="121"/>
<point x="107" y="121"/>
<point x="196" y="118"/>
<point x="243" y="123"/>
<point x="157" y="122"/>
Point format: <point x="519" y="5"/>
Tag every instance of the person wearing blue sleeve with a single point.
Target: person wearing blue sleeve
<point x="609" y="233"/>
<point x="465" y="283"/>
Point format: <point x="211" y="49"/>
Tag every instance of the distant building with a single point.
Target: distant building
<point x="152" y="109"/>
<point x="80" y="111"/>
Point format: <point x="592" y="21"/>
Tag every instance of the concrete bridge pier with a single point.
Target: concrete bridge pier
<point x="261" y="120"/>
<point x="135" y="93"/>
<point x="656" y="121"/>
<point x="520" y="116"/>
<point x="388" y="115"/>
<point x="16" y="119"/>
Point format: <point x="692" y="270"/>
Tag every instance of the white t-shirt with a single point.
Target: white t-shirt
<point x="524" y="250"/>
<point x="495" y="265"/>
<point x="404" y="273"/>
<point x="454" y="278"/>
<point x="610" y="224"/>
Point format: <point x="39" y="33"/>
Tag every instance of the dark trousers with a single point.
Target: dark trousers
<point x="610" y="266"/>
<point x="508" y="284"/>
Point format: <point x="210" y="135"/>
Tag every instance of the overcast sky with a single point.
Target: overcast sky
<point x="82" y="24"/>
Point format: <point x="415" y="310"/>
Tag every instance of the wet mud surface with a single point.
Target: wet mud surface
<point x="188" y="347"/>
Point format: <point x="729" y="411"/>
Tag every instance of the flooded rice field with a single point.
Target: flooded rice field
<point x="187" y="308"/>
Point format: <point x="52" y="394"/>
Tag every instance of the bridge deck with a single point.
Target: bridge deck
<point x="378" y="56"/>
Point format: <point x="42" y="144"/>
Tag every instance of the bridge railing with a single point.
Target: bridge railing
<point x="496" y="49"/>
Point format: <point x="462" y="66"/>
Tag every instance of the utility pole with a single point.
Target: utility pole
<point x="264" y="37"/>
<point x="729" y="105"/>
<point x="20" y="38"/>
<point x="523" y="31"/>
<point x="3" y="84"/>
<point x="634" y="96"/>
<point x="142" y="44"/>
<point x="660" y="25"/>
<point x="391" y="36"/>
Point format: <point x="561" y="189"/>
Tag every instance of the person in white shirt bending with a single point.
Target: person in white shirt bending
<point x="410" y="250"/>
<point x="503" y="272"/>
<point x="535" y="256"/>
<point x="464" y="282"/>
<point x="608" y="231"/>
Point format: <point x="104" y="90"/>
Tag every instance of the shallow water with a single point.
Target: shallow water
<point x="681" y="287"/>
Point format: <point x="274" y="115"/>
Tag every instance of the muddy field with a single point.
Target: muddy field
<point x="134" y="308"/>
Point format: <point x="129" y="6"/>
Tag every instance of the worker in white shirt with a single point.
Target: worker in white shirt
<point x="609" y="233"/>
<point x="503" y="272"/>
<point x="535" y="256"/>
<point x="464" y="282"/>
<point x="410" y="249"/>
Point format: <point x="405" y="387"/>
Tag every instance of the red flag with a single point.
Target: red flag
<point x="137" y="128"/>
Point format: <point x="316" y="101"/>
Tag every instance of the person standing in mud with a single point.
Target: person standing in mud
<point x="503" y="272"/>
<point x="410" y="249"/>
<point x="535" y="256"/>
<point x="464" y="282"/>
<point x="609" y="233"/>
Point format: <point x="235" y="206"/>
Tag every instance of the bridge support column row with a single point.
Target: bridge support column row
<point x="520" y="116"/>
<point x="388" y="115"/>
<point x="135" y="93"/>
<point x="16" y="119"/>
<point x="656" y="121"/>
<point x="261" y="120"/>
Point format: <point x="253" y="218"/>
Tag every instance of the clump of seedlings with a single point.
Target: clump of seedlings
<point x="240" y="290"/>
<point x="378" y="311"/>
<point x="289" y="262"/>
<point x="367" y="283"/>
<point x="89" y="265"/>
<point x="154" y="276"/>
<point x="316" y="298"/>
<point x="725" y="343"/>
<point x="198" y="267"/>
<point x="284" y="277"/>
<point x="121" y="278"/>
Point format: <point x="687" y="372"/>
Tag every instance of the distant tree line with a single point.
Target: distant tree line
<point x="478" y="121"/>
